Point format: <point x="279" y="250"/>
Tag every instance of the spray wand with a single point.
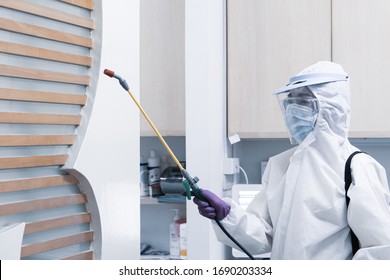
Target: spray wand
<point x="190" y="183"/>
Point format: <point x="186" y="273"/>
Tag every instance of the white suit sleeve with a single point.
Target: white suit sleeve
<point x="251" y="227"/>
<point x="369" y="208"/>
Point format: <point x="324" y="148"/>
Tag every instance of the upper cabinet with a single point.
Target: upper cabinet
<point x="270" y="41"/>
<point x="162" y="88"/>
<point x="361" y="43"/>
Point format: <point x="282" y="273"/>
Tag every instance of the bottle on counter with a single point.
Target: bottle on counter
<point x="154" y="174"/>
<point x="144" y="178"/>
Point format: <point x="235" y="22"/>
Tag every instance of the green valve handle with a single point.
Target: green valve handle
<point x="190" y="185"/>
<point x="187" y="188"/>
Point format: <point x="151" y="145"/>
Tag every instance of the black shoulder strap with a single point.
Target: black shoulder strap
<point x="348" y="181"/>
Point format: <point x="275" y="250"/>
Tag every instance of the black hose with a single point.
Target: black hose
<point x="232" y="239"/>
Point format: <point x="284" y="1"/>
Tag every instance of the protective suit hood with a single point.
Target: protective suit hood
<point x="334" y="101"/>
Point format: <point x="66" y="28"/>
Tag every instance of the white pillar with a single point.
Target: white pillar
<point x="205" y="114"/>
<point x="109" y="155"/>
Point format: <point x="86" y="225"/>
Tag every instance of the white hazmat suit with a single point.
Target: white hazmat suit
<point x="301" y="212"/>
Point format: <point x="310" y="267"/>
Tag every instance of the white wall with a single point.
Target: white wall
<point x="109" y="155"/>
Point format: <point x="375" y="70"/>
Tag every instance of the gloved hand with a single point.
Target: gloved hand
<point x="213" y="206"/>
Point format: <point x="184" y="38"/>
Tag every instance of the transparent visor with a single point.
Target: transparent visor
<point x="300" y="111"/>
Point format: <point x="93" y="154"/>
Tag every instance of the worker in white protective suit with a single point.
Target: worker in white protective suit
<point x="301" y="212"/>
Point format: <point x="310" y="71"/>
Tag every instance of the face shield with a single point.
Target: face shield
<point x="299" y="105"/>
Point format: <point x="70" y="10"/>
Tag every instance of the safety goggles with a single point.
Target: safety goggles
<point x="300" y="96"/>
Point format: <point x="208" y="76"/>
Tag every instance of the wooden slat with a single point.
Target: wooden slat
<point x="42" y="32"/>
<point x="31" y="118"/>
<point x="56" y="223"/>
<point x="46" y="246"/>
<point x="33" y="161"/>
<point x="37" y="183"/>
<point x="42" y="96"/>
<point x="47" y="12"/>
<point x="87" y="4"/>
<point x="43" y="75"/>
<point x="35" y="140"/>
<point x="24" y="50"/>
<point x="41" y="204"/>
<point x="82" y="256"/>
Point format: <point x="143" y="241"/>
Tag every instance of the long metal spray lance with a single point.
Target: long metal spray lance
<point x="190" y="183"/>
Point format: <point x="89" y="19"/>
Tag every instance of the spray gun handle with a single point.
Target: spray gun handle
<point x="191" y="186"/>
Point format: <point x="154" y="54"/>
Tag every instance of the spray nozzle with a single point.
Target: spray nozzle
<point x="109" y="73"/>
<point x="122" y="81"/>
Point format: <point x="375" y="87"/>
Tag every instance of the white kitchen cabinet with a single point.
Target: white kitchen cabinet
<point x="162" y="66"/>
<point x="361" y="43"/>
<point x="268" y="42"/>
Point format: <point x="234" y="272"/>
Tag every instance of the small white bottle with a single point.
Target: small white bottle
<point x="143" y="180"/>
<point x="174" y="235"/>
<point x="154" y="174"/>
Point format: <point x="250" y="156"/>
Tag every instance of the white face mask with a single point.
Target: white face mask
<point x="300" y="121"/>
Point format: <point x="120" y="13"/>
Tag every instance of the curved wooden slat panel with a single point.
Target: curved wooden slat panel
<point x="57" y="223"/>
<point x="36" y="140"/>
<point x="33" y="161"/>
<point x="23" y="50"/>
<point x="42" y="32"/>
<point x="42" y="96"/>
<point x="36" y="183"/>
<point x="43" y="75"/>
<point x="45" y="246"/>
<point x="31" y="118"/>
<point x="63" y="63"/>
<point x="41" y="204"/>
<point x="47" y="12"/>
<point x="87" y="4"/>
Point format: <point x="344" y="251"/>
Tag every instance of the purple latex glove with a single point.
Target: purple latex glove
<point x="213" y="206"/>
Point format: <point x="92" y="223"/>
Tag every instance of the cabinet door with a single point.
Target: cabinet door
<point x="268" y="42"/>
<point x="162" y="66"/>
<point x="361" y="43"/>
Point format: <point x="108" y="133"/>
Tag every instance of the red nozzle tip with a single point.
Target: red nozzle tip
<point x="109" y="73"/>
